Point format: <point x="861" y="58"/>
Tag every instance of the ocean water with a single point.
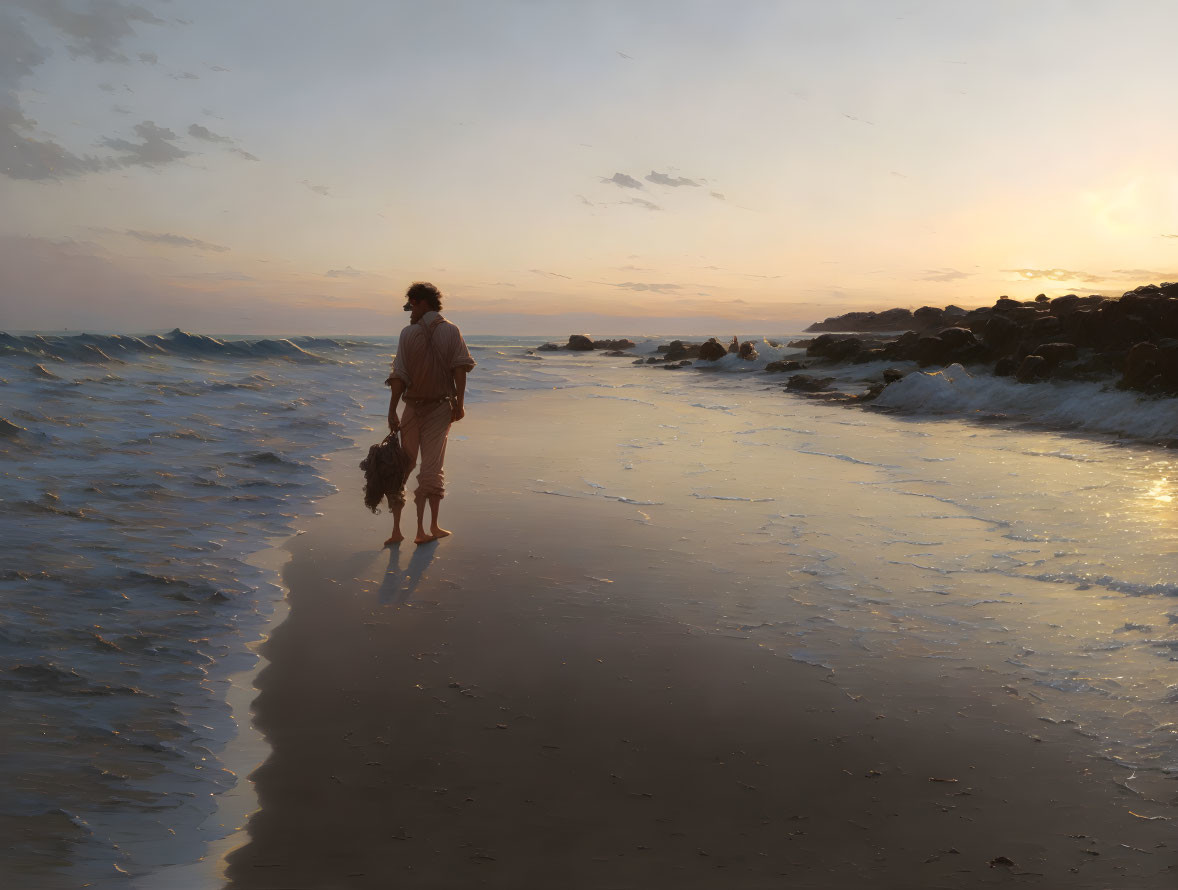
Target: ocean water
<point x="1024" y="533"/>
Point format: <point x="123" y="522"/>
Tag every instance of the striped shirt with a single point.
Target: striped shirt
<point x="427" y="354"/>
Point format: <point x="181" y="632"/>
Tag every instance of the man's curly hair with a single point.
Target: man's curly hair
<point x="423" y="290"/>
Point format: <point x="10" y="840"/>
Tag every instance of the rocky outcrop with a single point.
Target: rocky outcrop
<point x="677" y="350"/>
<point x="1133" y="337"/>
<point x="891" y="320"/>
<point x="583" y="343"/>
<point x="713" y="350"/>
<point x="808" y="383"/>
<point x="783" y="365"/>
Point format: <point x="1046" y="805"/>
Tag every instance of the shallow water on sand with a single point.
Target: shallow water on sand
<point x="883" y="547"/>
<point x="1022" y="563"/>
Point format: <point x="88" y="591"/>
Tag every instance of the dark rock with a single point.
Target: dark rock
<point x="677" y="350"/>
<point x="874" y="354"/>
<point x="836" y="347"/>
<point x="958" y="338"/>
<point x="617" y="353"/>
<point x="1045" y="326"/>
<point x="902" y="347"/>
<point x="783" y="365"/>
<point x="928" y="317"/>
<point x="713" y="350"/>
<point x="1055" y="353"/>
<point x="579" y="343"/>
<point x="930" y="351"/>
<point x="1032" y="368"/>
<point x="808" y="383"/>
<point x="748" y="351"/>
<point x="1025" y="315"/>
<point x="1001" y="332"/>
<point x="891" y="375"/>
<point x="613" y="344"/>
<point x="872" y="392"/>
<point x="891" y="320"/>
<point x="549" y="347"/>
<point x="1005" y="367"/>
<point x="1141" y="366"/>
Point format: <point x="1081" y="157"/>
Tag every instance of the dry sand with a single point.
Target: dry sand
<point x="453" y="716"/>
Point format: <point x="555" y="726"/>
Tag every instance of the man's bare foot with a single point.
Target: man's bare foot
<point x="394" y="538"/>
<point x="423" y="538"/>
<point x="438" y="532"/>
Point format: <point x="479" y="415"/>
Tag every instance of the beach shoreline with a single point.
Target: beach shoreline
<point x="462" y="714"/>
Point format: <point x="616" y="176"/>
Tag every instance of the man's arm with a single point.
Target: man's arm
<point x="459" y="411"/>
<point x="397" y="385"/>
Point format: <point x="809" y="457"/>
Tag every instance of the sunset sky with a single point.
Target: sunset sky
<point x="288" y="166"/>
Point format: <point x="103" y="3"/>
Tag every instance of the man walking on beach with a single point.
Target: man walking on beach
<point x="429" y="372"/>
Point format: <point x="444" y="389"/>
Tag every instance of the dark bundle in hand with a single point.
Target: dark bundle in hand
<point x="384" y="474"/>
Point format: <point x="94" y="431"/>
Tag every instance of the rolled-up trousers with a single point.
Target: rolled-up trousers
<point x="424" y="427"/>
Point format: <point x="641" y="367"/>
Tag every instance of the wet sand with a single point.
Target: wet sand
<point x="508" y="708"/>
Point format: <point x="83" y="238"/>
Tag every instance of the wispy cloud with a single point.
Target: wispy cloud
<point x="345" y="272"/>
<point x="317" y="189"/>
<point x="199" y="132"/>
<point x="624" y="180"/>
<point x="547" y="274"/>
<point x="94" y="30"/>
<point x="673" y="181"/>
<point x="642" y="202"/>
<point x="175" y="240"/>
<point x="155" y="149"/>
<point x="1057" y="275"/>
<point x="217" y="276"/>
<point x="1142" y="275"/>
<point x="944" y="275"/>
<point x="22" y="156"/>
<point x="718" y="196"/>
<point x="1170" y="236"/>
<point x="647" y="286"/>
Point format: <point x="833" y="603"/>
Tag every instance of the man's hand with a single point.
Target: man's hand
<point x="457" y="412"/>
<point x="394" y="423"/>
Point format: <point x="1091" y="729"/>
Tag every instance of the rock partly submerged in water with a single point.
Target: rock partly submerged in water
<point x="713" y="350"/>
<point x="584" y="343"/>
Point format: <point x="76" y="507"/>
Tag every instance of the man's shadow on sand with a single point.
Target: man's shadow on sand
<point x="399" y="584"/>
